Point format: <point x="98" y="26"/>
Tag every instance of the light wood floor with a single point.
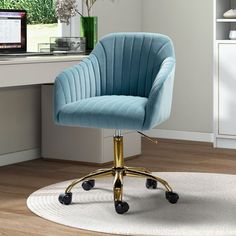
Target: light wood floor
<point x="18" y="181"/>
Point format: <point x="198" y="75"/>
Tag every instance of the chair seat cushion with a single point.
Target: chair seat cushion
<point x="111" y="112"/>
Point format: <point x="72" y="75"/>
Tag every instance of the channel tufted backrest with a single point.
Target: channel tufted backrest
<point x="129" y="62"/>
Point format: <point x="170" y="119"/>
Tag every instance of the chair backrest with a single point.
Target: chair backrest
<point x="129" y="62"/>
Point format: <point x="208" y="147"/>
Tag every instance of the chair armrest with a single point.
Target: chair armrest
<point x="158" y="107"/>
<point x="76" y="83"/>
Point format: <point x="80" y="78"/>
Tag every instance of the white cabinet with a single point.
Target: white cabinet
<point x="227" y="89"/>
<point x="224" y="76"/>
<point x="80" y="144"/>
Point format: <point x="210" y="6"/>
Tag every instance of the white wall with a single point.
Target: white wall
<point x="189" y="23"/>
<point x="118" y="15"/>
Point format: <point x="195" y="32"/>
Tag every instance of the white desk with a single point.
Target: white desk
<point x="61" y="142"/>
<point x="20" y="71"/>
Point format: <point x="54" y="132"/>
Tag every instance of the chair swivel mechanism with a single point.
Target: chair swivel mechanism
<point x="125" y="83"/>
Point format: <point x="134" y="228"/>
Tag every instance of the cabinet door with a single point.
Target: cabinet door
<point x="227" y="89"/>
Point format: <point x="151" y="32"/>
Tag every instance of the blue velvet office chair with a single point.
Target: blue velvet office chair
<point x="125" y="83"/>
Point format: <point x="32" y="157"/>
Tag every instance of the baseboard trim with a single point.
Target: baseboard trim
<point x="16" y="157"/>
<point x="27" y="155"/>
<point x="181" y="135"/>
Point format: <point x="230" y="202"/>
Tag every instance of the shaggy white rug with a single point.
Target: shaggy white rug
<point x="207" y="206"/>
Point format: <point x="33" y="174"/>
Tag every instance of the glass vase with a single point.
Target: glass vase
<point x="89" y="30"/>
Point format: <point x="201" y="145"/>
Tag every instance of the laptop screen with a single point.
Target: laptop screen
<point x="12" y="31"/>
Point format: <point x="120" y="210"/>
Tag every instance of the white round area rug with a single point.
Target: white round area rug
<point x="207" y="206"/>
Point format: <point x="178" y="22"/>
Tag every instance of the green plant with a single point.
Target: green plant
<point x="38" y="11"/>
<point x="65" y="9"/>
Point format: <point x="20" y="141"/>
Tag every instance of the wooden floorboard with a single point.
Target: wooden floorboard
<point x="19" y="180"/>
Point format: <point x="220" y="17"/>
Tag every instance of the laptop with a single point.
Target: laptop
<point x="13" y="34"/>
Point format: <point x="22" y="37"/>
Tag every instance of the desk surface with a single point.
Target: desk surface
<point x="39" y="59"/>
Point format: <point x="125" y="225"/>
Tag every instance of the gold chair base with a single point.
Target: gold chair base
<point x="119" y="171"/>
<point x="118" y="174"/>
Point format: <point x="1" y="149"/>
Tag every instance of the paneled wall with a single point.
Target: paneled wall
<point x="190" y="24"/>
<point x="118" y="15"/>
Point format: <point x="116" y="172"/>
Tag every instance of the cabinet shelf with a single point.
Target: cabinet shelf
<point x="222" y="20"/>
<point x="226" y="41"/>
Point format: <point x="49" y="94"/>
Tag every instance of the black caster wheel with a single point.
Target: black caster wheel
<point x="151" y="184"/>
<point x="65" y="198"/>
<point x="121" y="207"/>
<point x="172" y="197"/>
<point x="87" y="185"/>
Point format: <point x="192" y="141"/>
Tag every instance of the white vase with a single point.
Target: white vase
<point x="232" y="34"/>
